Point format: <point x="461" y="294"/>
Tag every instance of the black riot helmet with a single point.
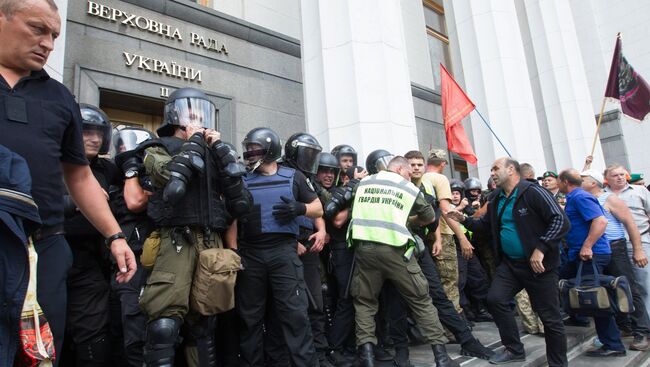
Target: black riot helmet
<point x="328" y="161"/>
<point x="344" y="149"/>
<point x="270" y="147"/>
<point x="472" y="183"/>
<point x="187" y="107"/>
<point x="125" y="140"/>
<point x="378" y="161"/>
<point x="301" y="151"/>
<point x="457" y="185"/>
<point x="92" y="118"/>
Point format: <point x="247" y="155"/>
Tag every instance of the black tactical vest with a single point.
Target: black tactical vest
<point x="202" y="204"/>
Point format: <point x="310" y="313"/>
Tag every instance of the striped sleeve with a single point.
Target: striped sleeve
<point x="551" y="213"/>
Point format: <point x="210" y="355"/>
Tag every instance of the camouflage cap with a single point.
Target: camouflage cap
<point x="438" y="154"/>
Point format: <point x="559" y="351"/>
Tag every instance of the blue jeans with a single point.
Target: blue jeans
<point x="606" y="328"/>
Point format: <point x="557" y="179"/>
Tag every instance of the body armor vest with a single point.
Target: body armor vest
<point x="266" y="192"/>
<point x="202" y="204"/>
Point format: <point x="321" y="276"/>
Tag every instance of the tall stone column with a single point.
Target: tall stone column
<point x="356" y="77"/>
<point x="562" y="91"/>
<point x="490" y="63"/>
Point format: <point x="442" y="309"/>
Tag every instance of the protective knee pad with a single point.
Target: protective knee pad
<point x="202" y="332"/>
<point x="161" y="340"/>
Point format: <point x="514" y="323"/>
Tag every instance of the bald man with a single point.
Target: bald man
<point x="587" y="242"/>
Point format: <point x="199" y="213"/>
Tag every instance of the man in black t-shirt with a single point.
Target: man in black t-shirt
<point x="40" y="121"/>
<point x="267" y="243"/>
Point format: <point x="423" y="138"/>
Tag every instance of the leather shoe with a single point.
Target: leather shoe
<point x="507" y="356"/>
<point x="366" y="355"/>
<point x="604" y="352"/>
<point x="441" y="357"/>
<point x="474" y="348"/>
<point x="640" y="343"/>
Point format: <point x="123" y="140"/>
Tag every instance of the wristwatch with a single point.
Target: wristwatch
<point x="108" y="241"/>
<point x="131" y="173"/>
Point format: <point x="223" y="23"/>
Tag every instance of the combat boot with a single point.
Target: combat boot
<point x="441" y="357"/>
<point x="366" y="355"/>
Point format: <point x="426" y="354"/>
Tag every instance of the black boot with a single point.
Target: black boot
<point x="482" y="314"/>
<point x="401" y="358"/>
<point x="441" y="356"/>
<point x="366" y="355"/>
<point x="94" y="354"/>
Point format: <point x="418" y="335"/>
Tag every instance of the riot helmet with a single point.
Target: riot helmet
<point x="187" y="107"/>
<point x="457" y="185"/>
<point x="125" y="140"/>
<point x="92" y="118"/>
<point x="344" y="149"/>
<point x="473" y="183"/>
<point x="328" y="161"/>
<point x="378" y="161"/>
<point x="301" y="151"/>
<point x="269" y="147"/>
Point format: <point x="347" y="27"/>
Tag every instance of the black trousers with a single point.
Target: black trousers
<point x="446" y="311"/>
<point x="620" y="265"/>
<point x="55" y="259"/>
<point x="132" y="321"/>
<point x="276" y="273"/>
<point x="274" y="345"/>
<point x="343" y="323"/>
<point x="473" y="282"/>
<point x="510" y="278"/>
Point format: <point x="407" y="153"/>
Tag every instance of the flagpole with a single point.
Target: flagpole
<point x="600" y="119"/>
<point x="492" y="131"/>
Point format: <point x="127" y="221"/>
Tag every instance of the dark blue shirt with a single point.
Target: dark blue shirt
<point x="510" y="242"/>
<point x="40" y="121"/>
<point x="582" y="208"/>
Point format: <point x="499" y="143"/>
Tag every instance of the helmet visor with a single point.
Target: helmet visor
<point x="382" y="163"/>
<point x="307" y="157"/>
<point x="195" y="112"/>
<point x="126" y="140"/>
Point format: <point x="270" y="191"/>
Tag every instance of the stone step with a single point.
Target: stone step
<point x="578" y="340"/>
<point x="631" y="359"/>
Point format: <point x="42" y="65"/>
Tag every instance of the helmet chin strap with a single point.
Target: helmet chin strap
<point x="256" y="165"/>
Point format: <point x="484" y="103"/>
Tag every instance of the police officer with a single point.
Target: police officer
<point x="383" y="206"/>
<point x="129" y="204"/>
<point x="88" y="286"/>
<point x="267" y="243"/>
<point x="347" y="158"/>
<point x="341" y="259"/>
<point x="472" y="280"/>
<point x="197" y="188"/>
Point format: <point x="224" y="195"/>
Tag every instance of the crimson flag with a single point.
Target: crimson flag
<point x="627" y="86"/>
<point x="455" y="106"/>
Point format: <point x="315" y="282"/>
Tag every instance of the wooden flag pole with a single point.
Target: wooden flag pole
<point x="600" y="119"/>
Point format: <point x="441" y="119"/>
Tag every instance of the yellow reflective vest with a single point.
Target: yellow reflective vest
<point x="381" y="209"/>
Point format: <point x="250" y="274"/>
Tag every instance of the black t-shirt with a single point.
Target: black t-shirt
<point x="40" y="121"/>
<point x="302" y="192"/>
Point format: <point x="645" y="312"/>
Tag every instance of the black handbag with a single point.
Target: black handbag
<point x="596" y="295"/>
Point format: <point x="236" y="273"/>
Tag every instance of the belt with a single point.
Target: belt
<point x="47" y="231"/>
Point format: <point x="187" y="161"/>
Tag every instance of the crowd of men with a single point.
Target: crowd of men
<point x="170" y="249"/>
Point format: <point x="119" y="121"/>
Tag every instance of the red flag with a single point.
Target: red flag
<point x="627" y="86"/>
<point x="455" y="106"/>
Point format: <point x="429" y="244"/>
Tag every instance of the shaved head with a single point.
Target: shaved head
<point x="10" y="7"/>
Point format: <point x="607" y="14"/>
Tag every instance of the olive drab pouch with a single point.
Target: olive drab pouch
<point x="213" y="288"/>
<point x="150" y="250"/>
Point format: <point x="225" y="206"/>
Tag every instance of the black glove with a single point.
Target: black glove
<point x="289" y="210"/>
<point x="132" y="164"/>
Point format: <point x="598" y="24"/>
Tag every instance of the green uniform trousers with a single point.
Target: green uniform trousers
<point x="377" y="263"/>
<point x="167" y="292"/>
<point x="447" y="263"/>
